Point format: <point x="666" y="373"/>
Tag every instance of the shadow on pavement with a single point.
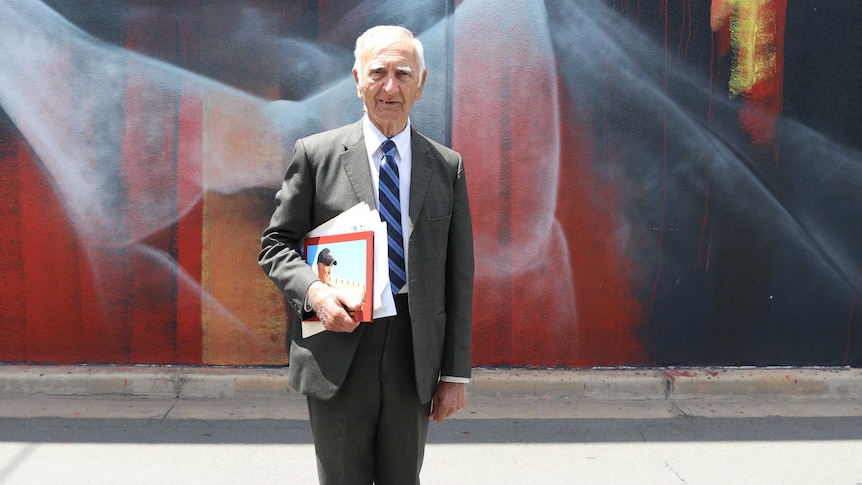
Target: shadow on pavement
<point x="458" y="431"/>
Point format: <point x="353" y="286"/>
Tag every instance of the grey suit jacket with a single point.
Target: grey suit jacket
<point x="329" y="174"/>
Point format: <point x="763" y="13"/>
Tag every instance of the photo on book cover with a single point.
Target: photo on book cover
<point x="344" y="261"/>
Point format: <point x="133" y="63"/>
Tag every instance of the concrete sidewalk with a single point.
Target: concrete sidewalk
<point x="189" y="425"/>
<point x="181" y="382"/>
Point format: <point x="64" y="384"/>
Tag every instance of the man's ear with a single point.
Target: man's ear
<point x="356" y="80"/>
<point x="421" y="84"/>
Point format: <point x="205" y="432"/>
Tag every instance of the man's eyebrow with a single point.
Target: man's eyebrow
<point x="379" y="65"/>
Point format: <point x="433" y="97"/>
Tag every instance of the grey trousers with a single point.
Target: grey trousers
<point x="374" y="429"/>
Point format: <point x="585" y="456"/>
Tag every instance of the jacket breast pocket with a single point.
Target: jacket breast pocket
<point x="439" y="206"/>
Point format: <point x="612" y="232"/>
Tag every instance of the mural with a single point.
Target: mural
<point x="653" y="182"/>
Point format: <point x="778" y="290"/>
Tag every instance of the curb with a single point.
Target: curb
<point x="180" y="382"/>
<point x="144" y="381"/>
<point x="670" y="384"/>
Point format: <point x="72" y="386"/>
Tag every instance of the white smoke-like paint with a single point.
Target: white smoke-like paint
<point x="70" y="95"/>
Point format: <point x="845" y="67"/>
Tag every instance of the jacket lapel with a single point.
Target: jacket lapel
<point x="354" y="160"/>
<point x="420" y="175"/>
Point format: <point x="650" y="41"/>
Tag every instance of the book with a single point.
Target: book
<point x="362" y="218"/>
<point x="344" y="261"/>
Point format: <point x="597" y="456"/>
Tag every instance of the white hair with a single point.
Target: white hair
<point x="368" y="39"/>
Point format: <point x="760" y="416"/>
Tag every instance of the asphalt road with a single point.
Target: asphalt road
<point x="137" y="441"/>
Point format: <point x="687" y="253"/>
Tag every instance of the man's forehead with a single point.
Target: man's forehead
<point x="401" y="48"/>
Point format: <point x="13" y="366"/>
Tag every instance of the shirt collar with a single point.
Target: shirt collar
<point x="374" y="138"/>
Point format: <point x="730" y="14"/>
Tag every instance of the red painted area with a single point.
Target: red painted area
<point x="48" y="275"/>
<point x="557" y="294"/>
<point x="13" y="330"/>
<point x="62" y="288"/>
<point x="608" y="314"/>
<point x="52" y="261"/>
<point x="72" y="295"/>
<point x="485" y="156"/>
<point x="188" y="241"/>
<point x="720" y="24"/>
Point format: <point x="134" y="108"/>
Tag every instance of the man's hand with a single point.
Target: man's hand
<point x="448" y="399"/>
<point x="333" y="307"/>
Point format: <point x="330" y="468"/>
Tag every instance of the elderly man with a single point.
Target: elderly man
<point x="372" y="387"/>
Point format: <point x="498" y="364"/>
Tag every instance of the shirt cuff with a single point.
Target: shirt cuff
<point x="456" y="380"/>
<point x="306" y="306"/>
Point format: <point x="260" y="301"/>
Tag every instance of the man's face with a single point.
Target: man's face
<point x="389" y="83"/>
<point x="323" y="272"/>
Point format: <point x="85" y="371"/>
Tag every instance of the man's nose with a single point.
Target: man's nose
<point x="389" y="84"/>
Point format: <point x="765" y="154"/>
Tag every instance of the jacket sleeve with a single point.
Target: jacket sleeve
<point x="281" y="253"/>
<point x="457" y="350"/>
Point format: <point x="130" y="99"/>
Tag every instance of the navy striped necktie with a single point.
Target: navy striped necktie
<point x="390" y="211"/>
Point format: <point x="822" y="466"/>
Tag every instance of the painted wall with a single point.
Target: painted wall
<point x="653" y="182"/>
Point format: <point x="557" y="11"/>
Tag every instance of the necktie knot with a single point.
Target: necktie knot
<point x="388" y="148"/>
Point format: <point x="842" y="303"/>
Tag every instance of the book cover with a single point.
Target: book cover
<point x="343" y="261"/>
